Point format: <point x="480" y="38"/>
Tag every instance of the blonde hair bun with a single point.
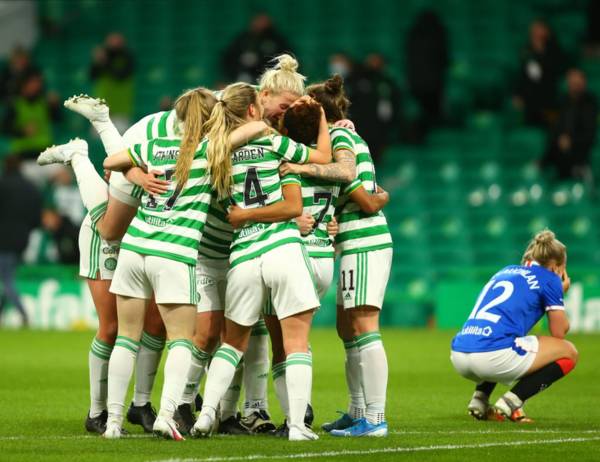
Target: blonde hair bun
<point x="286" y="63"/>
<point x="544" y="237"/>
<point x="545" y="249"/>
<point x="283" y="76"/>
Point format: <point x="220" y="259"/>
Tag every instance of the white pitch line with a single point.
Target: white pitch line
<point x="346" y="453"/>
<point x="393" y="432"/>
<point x="491" y="431"/>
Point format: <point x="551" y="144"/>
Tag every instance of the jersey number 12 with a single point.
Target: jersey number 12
<point x="481" y="312"/>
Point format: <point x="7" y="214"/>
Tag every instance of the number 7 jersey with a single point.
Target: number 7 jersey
<point x="170" y="225"/>
<point x="509" y="305"/>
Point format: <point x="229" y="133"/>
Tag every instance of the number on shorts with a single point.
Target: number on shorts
<point x="351" y="277"/>
<point x="253" y="193"/>
<point x="482" y="312"/>
<point x="317" y="199"/>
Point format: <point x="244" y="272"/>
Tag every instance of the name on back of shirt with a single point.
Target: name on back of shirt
<point x="531" y="279"/>
<point x="248" y="154"/>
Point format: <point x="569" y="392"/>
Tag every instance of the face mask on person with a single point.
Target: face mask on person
<point x="338" y="67"/>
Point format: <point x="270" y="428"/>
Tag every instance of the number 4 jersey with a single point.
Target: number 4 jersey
<point x="509" y="305"/>
<point x="170" y="225"/>
<point x="256" y="183"/>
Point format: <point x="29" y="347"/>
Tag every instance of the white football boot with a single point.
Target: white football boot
<point x="93" y="109"/>
<point x="203" y="426"/>
<point x="479" y="406"/>
<point x="113" y="429"/>
<point x="301" y="433"/>
<point x="166" y="428"/>
<point x="63" y="153"/>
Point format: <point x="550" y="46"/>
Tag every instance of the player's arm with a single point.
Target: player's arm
<point x="369" y="203"/>
<point x="147" y="181"/>
<point x="249" y="131"/>
<point x="286" y="209"/>
<point x="119" y="161"/>
<point x="558" y="323"/>
<point x="135" y="156"/>
<point x="342" y="170"/>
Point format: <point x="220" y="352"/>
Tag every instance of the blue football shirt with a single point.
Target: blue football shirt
<point x="509" y="305"/>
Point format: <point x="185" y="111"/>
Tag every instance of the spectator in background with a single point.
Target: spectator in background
<point x="249" y="53"/>
<point x="593" y="28"/>
<point x="18" y="67"/>
<point x="541" y="67"/>
<point x="375" y="98"/>
<point x="20" y="210"/>
<point x="340" y="63"/>
<point x="426" y="64"/>
<point x="112" y="72"/>
<point x="29" y="116"/>
<point x="571" y="141"/>
<point x="165" y="104"/>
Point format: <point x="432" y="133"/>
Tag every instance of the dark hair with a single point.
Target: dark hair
<point x="332" y="97"/>
<point x="302" y="122"/>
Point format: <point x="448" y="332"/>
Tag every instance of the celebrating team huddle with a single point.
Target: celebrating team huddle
<point x="219" y="226"/>
<point x="219" y="241"/>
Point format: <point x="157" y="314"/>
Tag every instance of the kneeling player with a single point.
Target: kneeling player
<point x="493" y="345"/>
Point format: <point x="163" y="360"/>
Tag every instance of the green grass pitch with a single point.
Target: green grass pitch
<point x="44" y="399"/>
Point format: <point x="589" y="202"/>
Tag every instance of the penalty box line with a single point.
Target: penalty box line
<point x="390" y="450"/>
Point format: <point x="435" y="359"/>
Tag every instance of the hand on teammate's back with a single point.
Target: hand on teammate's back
<point x="236" y="216"/>
<point x="153" y="185"/>
<point x="305" y="223"/>
<point x="333" y="228"/>
<point x="288" y="168"/>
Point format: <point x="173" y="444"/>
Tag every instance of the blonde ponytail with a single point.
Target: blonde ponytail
<point x="283" y="76"/>
<point x="545" y="249"/>
<point x="193" y="108"/>
<point x="228" y="114"/>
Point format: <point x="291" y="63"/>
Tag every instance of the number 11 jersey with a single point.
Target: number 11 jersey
<point x="256" y="183"/>
<point x="170" y="225"/>
<point x="509" y="305"/>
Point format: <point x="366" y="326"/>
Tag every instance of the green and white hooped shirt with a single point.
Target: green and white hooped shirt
<point x="256" y="183"/>
<point x="319" y="199"/>
<point x="170" y="225"/>
<point x="359" y="231"/>
<point x="218" y="233"/>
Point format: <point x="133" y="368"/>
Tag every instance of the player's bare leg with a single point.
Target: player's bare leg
<point x="555" y="359"/>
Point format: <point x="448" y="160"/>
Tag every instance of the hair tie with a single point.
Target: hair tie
<point x="223" y="102"/>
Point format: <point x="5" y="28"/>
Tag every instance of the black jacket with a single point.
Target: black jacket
<point x="20" y="211"/>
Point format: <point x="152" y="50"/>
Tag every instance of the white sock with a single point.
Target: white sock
<point x="109" y="135"/>
<point x="147" y="363"/>
<point x="92" y="188"/>
<point x="281" y="387"/>
<point x="298" y="377"/>
<point x="177" y="366"/>
<point x="229" y="402"/>
<point x="197" y="368"/>
<point x="98" y="364"/>
<point x="357" y="406"/>
<point x="256" y="370"/>
<point x="120" y="370"/>
<point x="374" y="374"/>
<point x="220" y="374"/>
